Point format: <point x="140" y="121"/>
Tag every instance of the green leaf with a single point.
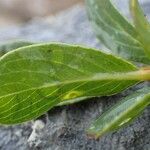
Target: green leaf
<point x="141" y="24"/>
<point x="8" y="46"/>
<point x="113" y="30"/>
<point x="34" y="79"/>
<point x="121" y="114"/>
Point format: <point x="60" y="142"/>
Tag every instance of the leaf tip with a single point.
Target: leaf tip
<point x="92" y="133"/>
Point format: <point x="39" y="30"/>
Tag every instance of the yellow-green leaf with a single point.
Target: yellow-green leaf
<point x="35" y="78"/>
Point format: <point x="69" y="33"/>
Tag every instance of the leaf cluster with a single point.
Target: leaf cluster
<point x="37" y="77"/>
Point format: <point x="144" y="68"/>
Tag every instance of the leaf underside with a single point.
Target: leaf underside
<point x="121" y="114"/>
<point x="113" y="30"/>
<point x="36" y="78"/>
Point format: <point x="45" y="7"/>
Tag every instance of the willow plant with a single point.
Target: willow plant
<point x="37" y="77"/>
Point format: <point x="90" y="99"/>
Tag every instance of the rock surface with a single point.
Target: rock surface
<point x="66" y="125"/>
<point x="18" y="11"/>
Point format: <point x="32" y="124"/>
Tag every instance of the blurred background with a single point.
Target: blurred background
<point x="14" y="12"/>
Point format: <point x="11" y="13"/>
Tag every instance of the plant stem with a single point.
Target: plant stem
<point x="141" y="75"/>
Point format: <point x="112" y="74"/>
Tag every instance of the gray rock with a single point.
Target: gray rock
<point x="65" y="129"/>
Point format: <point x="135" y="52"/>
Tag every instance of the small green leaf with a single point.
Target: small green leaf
<point x="8" y="46"/>
<point x="113" y="30"/>
<point x="141" y="24"/>
<point x="36" y="78"/>
<point x="121" y="114"/>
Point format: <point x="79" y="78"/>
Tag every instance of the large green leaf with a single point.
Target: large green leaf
<point x="121" y="114"/>
<point x="142" y="25"/>
<point x="115" y="32"/>
<point x="35" y="78"/>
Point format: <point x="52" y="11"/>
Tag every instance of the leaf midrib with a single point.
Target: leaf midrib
<point x="130" y="76"/>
